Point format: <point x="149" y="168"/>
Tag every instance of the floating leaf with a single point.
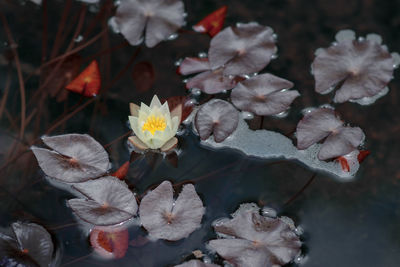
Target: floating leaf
<point x="362" y="155"/>
<point x="192" y="65"/>
<point x="196" y="263"/>
<point x="109" y="202"/>
<point x="167" y="219"/>
<point x="315" y="126"/>
<point x="75" y="158"/>
<point x="143" y="75"/>
<point x="213" y="23"/>
<point x="264" y="95"/>
<point x="122" y="171"/>
<point x="30" y="245"/>
<point x="212" y="82"/>
<point x="244" y="49"/>
<point x="255" y="240"/>
<point x="216" y="117"/>
<point x="358" y="68"/>
<point x="87" y="83"/>
<point x="321" y="123"/>
<point x="158" y="18"/>
<point x="110" y="243"/>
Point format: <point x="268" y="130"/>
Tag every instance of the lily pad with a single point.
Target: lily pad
<point x="217" y="117"/>
<point x="29" y="245"/>
<point x="169" y="219"/>
<point x="264" y="94"/>
<point x="357" y="68"/>
<point x="244" y="49"/>
<point x="323" y="123"/>
<point x="109" y="202"/>
<point x="251" y="239"/>
<point x="75" y="158"/>
<point x="159" y="19"/>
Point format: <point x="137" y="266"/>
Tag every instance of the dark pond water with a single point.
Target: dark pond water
<point x="345" y="223"/>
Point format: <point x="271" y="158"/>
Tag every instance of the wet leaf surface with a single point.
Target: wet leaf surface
<point x="251" y="239"/>
<point x="166" y="218"/>
<point x="216" y="117"/>
<point x="358" y="68"/>
<point x="75" y="158"/>
<point x="109" y="202"/>
<point x="264" y="95"/>
<point x="158" y="18"/>
<point x="244" y="49"/>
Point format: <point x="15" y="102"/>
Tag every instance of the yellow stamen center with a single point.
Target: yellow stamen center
<point x="154" y="124"/>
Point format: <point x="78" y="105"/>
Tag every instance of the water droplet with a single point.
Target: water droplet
<point x="269" y="212"/>
<point x="275" y="36"/>
<point x="191" y="102"/>
<point x="185" y="15"/>
<point x="117" y="3"/>
<point x="246" y="76"/>
<point x="178" y="62"/>
<point x="172" y="37"/>
<point x="327" y="106"/>
<point x="361" y="39"/>
<point x="274" y="56"/>
<point x="185" y="80"/>
<point x="334" y="43"/>
<point x="207" y="260"/>
<point x="195" y="91"/>
<point x="78" y="39"/>
<point x="283" y="114"/>
<point x="224" y="91"/>
<point x="113" y="25"/>
<point x="299" y="230"/>
<point x="253" y="74"/>
<point x="307" y="110"/>
<point x="202" y="55"/>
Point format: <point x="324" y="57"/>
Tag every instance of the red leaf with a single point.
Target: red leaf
<point x="122" y="171"/>
<point x="110" y="244"/>
<point x="213" y="23"/>
<point x="362" y="155"/>
<point x="88" y="82"/>
<point x="344" y="163"/>
<point x="143" y="76"/>
<point x="174" y="101"/>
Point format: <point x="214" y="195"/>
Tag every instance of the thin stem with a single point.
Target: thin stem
<point x="5" y="94"/>
<point x="61" y="25"/>
<point x="301" y="190"/>
<point x="13" y="46"/>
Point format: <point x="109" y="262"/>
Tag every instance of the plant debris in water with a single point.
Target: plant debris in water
<point x="359" y="68"/>
<point x="28" y="245"/>
<point x="74" y="158"/>
<point x="87" y="83"/>
<point x="159" y="19"/>
<point x="217" y="117"/>
<point x="250" y="239"/>
<point x="323" y="123"/>
<point x="169" y="219"/>
<point x="108" y="202"/>
<point x="213" y="23"/>
<point x="264" y="94"/>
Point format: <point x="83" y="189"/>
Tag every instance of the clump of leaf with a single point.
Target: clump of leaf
<point x="233" y="53"/>
<point x="250" y="239"/>
<point x="155" y="19"/>
<point x="358" y="69"/>
<point x="323" y="123"/>
<point x="29" y="244"/>
<point x="169" y="219"/>
<point x="264" y="94"/>
<point x="72" y="158"/>
<point x="108" y="202"/>
<point x="217" y="117"/>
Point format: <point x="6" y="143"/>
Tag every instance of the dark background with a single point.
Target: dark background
<point x="352" y="223"/>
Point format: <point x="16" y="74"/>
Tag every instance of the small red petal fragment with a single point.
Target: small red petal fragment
<point x="174" y="101"/>
<point x="122" y="171"/>
<point x="88" y="82"/>
<point x="110" y="244"/>
<point x="213" y="23"/>
<point x="362" y="155"/>
<point x="344" y="163"/>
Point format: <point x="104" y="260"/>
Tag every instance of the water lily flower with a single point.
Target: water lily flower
<point x="155" y="127"/>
